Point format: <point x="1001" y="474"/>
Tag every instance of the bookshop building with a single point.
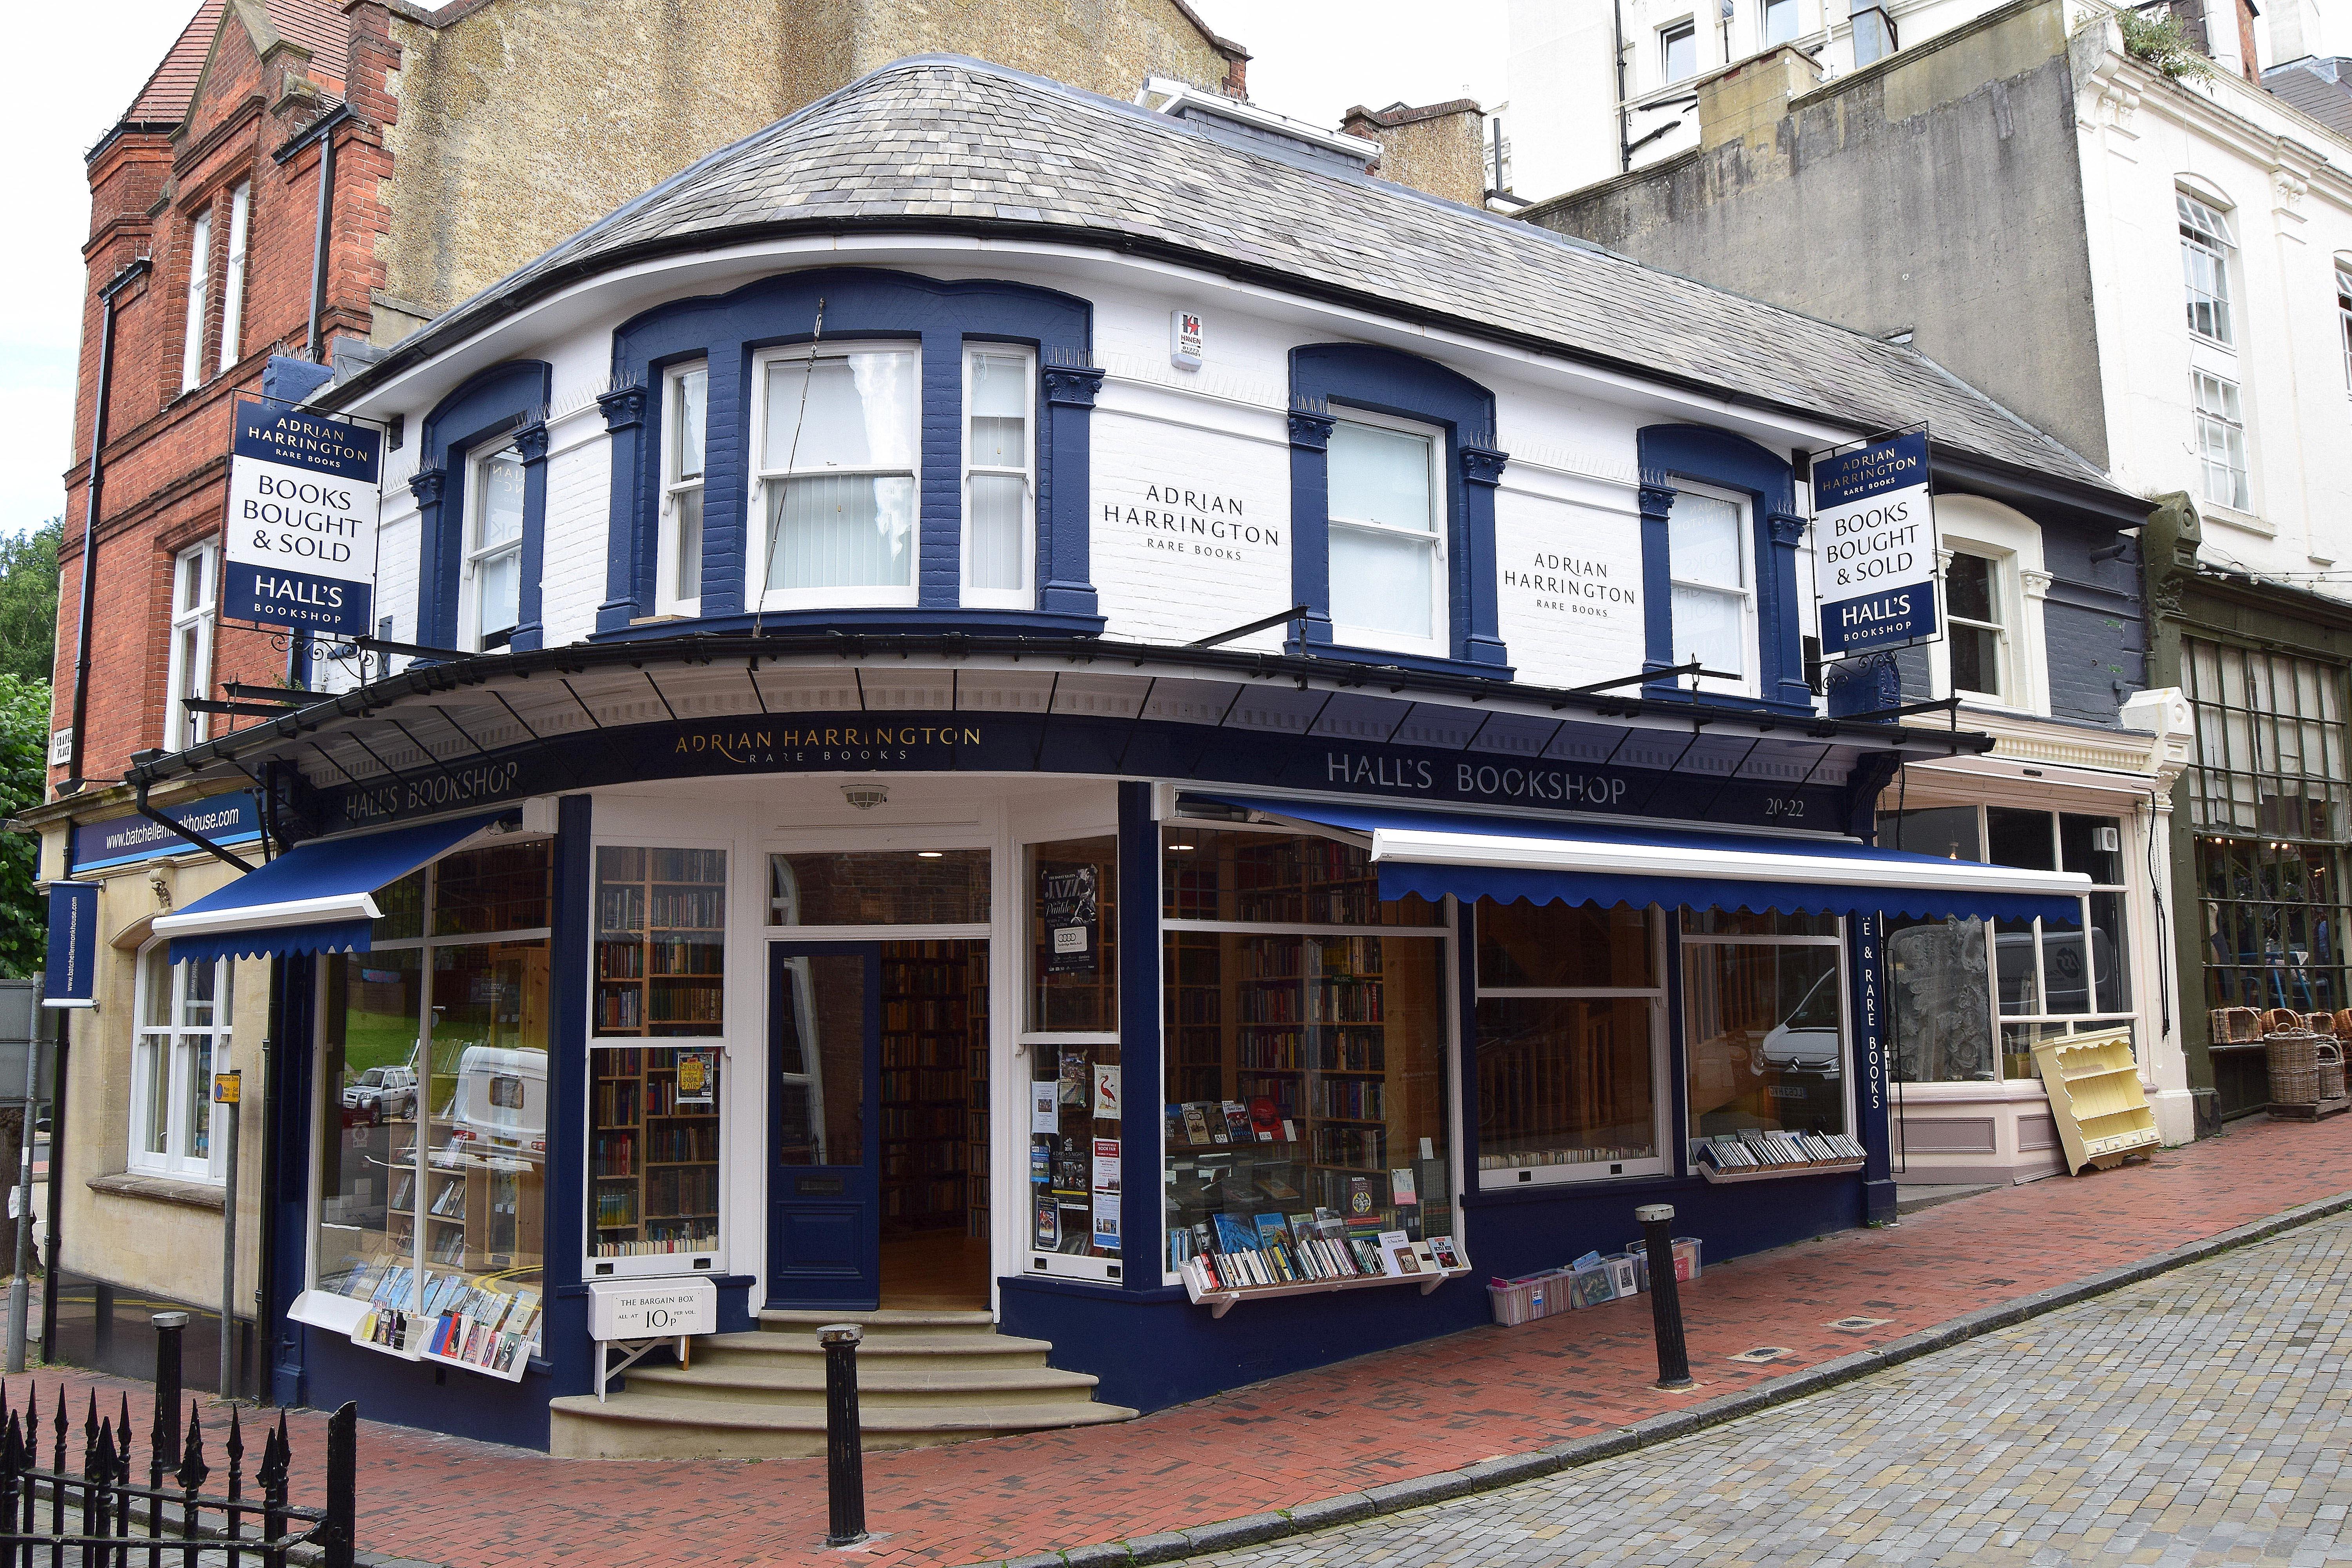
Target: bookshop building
<point x="1205" y="863"/>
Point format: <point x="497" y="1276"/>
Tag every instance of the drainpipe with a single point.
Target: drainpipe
<point x="1624" y="116"/>
<point x="105" y="295"/>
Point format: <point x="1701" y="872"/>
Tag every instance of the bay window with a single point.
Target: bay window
<point x="183" y="1039"/>
<point x="1000" y="489"/>
<point x="835" y="476"/>
<point x="684" y="437"/>
<point x="494" y="550"/>
<point x="1388" y="535"/>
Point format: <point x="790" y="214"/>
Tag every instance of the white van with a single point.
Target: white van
<point x="501" y="1107"/>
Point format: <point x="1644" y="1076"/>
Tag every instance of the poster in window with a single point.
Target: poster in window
<point x="1106" y="1166"/>
<point x="1044" y="1118"/>
<point x="1107" y="1221"/>
<point x="1049" y="1223"/>
<point x="1067" y="900"/>
<point x="1073" y="1078"/>
<point x="697" y="1077"/>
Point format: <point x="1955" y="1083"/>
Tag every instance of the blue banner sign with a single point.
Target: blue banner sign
<point x="226" y="819"/>
<point x="1874" y="547"/>
<point x="70" y="979"/>
<point x="304" y="492"/>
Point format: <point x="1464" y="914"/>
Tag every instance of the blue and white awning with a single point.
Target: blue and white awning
<point x="1432" y="853"/>
<point x="316" y="898"/>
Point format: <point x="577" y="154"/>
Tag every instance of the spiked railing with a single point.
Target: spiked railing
<point x="51" y="1517"/>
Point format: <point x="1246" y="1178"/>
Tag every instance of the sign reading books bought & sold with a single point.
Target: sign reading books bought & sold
<point x="1874" y="547"/>
<point x="304" y="492"/>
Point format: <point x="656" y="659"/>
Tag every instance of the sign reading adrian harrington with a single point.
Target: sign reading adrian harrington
<point x="1874" y="547"/>
<point x="304" y="492"/>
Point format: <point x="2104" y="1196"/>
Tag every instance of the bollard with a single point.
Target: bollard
<point x="845" y="1458"/>
<point x="1665" y="1296"/>
<point x="168" y="1327"/>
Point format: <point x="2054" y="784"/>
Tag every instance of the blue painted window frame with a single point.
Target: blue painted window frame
<point x="505" y="403"/>
<point x="1724" y="461"/>
<point x="729" y="331"/>
<point x="1328" y="377"/>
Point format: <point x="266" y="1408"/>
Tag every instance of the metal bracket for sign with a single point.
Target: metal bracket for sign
<point x="605" y="1370"/>
<point x="1950" y="705"/>
<point x="1292" y="614"/>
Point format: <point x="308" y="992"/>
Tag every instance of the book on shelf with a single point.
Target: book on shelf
<point x="1196" y="1126"/>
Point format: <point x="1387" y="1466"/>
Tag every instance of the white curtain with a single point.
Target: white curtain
<point x="842" y="531"/>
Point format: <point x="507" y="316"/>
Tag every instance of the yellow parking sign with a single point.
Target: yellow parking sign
<point x="224" y="1087"/>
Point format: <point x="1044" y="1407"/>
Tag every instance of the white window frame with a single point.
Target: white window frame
<point x="2001" y="567"/>
<point x="175" y="1043"/>
<point x="2343" y="314"/>
<point x="191" y="645"/>
<point x="1764" y="39"/>
<point x="1686" y="940"/>
<point x="1668" y="36"/>
<point x="2221" y="420"/>
<point x="2205" y="234"/>
<point x="1750" y="643"/>
<point x="1024" y="596"/>
<point x="241" y="201"/>
<point x="200" y="283"/>
<point x="762" y="476"/>
<point x="1440" y="643"/>
<point x="667" y="598"/>
<point x="2012" y="542"/>
<point x="1663" y="1092"/>
<point x="477" y="554"/>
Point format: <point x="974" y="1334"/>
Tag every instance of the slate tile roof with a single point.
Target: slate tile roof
<point x="971" y="144"/>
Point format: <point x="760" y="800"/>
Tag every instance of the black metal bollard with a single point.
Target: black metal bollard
<point x="845" y="1455"/>
<point x="1665" y="1296"/>
<point x="169" y="1327"/>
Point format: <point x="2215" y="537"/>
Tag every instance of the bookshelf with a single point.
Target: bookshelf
<point x="653" y="1156"/>
<point x="975" y="1121"/>
<point x="661" y="942"/>
<point x="928" y="1037"/>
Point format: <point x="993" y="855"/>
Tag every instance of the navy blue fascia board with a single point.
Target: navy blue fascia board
<point x="489" y="408"/>
<point x="1327" y="377"/>
<point x="1726" y="461"/>
<point x="728" y="330"/>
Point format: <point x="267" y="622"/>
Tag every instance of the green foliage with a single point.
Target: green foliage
<point x="29" y="601"/>
<point x="24" y="780"/>
<point x="2161" y="43"/>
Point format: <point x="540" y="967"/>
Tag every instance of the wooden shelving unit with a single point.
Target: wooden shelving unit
<point x="975" y="1120"/>
<point x="927" y="1039"/>
<point x="653" y="1163"/>
<point x="2093" y="1082"/>
<point x="661" y="942"/>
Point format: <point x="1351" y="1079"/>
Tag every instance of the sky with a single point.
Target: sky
<point x="1311" y="58"/>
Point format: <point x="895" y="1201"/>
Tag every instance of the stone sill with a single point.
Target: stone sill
<point x="161" y="1189"/>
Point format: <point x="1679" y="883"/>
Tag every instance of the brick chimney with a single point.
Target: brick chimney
<point x="1440" y="148"/>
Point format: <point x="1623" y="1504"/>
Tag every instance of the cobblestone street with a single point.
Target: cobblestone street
<point x="2199" y="1418"/>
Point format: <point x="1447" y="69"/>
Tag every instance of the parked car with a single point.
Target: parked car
<point x="381" y="1094"/>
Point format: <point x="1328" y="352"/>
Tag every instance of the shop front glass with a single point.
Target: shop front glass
<point x="1305" y="1044"/>
<point x="1070" y="1030"/>
<point x="1764" y="1023"/>
<point x="435" y="1093"/>
<point x="1970" y="999"/>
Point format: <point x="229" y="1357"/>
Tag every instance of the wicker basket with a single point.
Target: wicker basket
<point x="2281" y="1021"/>
<point x="2294" y="1069"/>
<point x="2331" y="1070"/>
<point x="2320" y="1023"/>
<point x="2238" y="1026"/>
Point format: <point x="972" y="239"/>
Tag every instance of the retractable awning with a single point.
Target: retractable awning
<point x="1434" y="853"/>
<point x="315" y="897"/>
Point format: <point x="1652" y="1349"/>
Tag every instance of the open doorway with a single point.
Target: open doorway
<point x="933" y="1101"/>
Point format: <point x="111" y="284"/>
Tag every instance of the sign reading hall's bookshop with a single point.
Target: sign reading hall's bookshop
<point x="1874" y="547"/>
<point x="303" y="495"/>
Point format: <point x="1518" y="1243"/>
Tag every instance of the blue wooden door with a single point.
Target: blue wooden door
<point x="825" y="1022"/>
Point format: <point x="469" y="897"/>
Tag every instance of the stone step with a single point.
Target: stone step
<point x="877" y="1388"/>
<point x="890" y="1349"/>
<point x="637" y="1425"/>
<point x="885" y="1323"/>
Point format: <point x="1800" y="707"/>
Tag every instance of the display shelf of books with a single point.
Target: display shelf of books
<point x="926" y="1091"/>
<point x="661" y="941"/>
<point x="1757" y="1154"/>
<point x="975" y="1120"/>
<point x="653" y="1150"/>
<point x="1238" y="1261"/>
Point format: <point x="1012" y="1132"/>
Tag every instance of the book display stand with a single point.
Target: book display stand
<point x="2093" y="1082"/>
<point x="1427" y="1274"/>
<point x="1755" y="1155"/>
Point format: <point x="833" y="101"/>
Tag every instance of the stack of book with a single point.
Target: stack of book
<point x="1755" y="1151"/>
<point x="1230" y="1253"/>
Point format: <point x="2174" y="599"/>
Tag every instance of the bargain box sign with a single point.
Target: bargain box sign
<point x="304" y="492"/>
<point x="1874" y="547"/>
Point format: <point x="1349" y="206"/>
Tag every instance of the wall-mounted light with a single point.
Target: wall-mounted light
<point x="864" y="796"/>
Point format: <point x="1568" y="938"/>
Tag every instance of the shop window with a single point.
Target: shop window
<point x="661" y="942"/>
<point x="1707" y="536"/>
<point x="836" y="439"/>
<point x="1387" y="540"/>
<point x="493" y="579"/>
<point x="434" y="1090"/>
<point x="2222" y="441"/>
<point x="1000" y="488"/>
<point x="1076" y="1089"/>
<point x="686" y="405"/>
<point x="1764" y="1022"/>
<point x="1305" y="1051"/>
<point x="195" y="586"/>
<point x="878" y="887"/>
<point x="200" y="274"/>
<point x="2205" y="246"/>
<point x="1571" y="1033"/>
<point x="184" y="1012"/>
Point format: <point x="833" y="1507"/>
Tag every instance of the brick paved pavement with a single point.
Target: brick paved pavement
<point x="2199" y="1418"/>
<point x="1430" y="1408"/>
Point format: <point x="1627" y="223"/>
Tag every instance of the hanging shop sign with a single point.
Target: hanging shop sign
<point x="71" y="976"/>
<point x="1874" y="547"/>
<point x="304" y="492"/>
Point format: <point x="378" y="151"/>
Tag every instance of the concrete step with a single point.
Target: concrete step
<point x="640" y="1426"/>
<point x="877" y="1388"/>
<point x="900" y="1350"/>
<point x="876" y="1324"/>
